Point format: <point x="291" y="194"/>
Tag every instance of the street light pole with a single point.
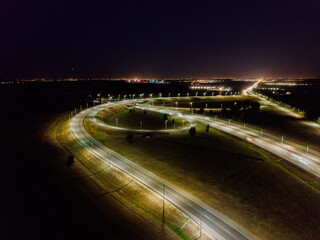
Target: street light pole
<point x="202" y="213"/>
<point x="163" y="196"/>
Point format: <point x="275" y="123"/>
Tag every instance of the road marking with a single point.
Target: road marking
<point x="185" y="223"/>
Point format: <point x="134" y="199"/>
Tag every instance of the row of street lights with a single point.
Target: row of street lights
<point x="142" y="95"/>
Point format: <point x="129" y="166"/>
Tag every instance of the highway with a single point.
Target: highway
<point x="212" y="222"/>
<point x="293" y="153"/>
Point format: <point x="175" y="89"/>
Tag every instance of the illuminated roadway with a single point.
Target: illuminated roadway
<point x="293" y="153"/>
<point x="213" y="223"/>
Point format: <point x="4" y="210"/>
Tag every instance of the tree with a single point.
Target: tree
<point x="70" y="160"/>
<point x="207" y="128"/>
<point x="165" y="117"/>
<point x="130" y="138"/>
<point x="145" y="112"/>
<point x="255" y="107"/>
<point x="173" y="120"/>
<point x="192" y="132"/>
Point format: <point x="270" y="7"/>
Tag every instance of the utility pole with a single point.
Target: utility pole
<point x="307" y="149"/>
<point x="282" y="138"/>
<point x="140" y="124"/>
<point x="165" y="124"/>
<point x="116" y="122"/>
<point x="229" y="121"/>
<point x="261" y="132"/>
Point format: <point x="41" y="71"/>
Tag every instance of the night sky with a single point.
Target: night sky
<point x="159" y="38"/>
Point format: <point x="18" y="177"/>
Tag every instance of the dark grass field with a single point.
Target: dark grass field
<point x="131" y="119"/>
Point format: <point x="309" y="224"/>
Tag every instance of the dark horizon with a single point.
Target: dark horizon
<point x="167" y="39"/>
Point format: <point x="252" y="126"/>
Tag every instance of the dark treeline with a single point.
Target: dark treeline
<point x="53" y="97"/>
<point x="245" y="111"/>
<point x="305" y="98"/>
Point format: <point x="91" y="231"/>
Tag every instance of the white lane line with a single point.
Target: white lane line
<point x="185" y="223"/>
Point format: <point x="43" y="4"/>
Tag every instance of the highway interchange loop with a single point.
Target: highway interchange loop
<point x="212" y="222"/>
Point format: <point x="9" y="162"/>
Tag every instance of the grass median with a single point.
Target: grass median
<point x="133" y="118"/>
